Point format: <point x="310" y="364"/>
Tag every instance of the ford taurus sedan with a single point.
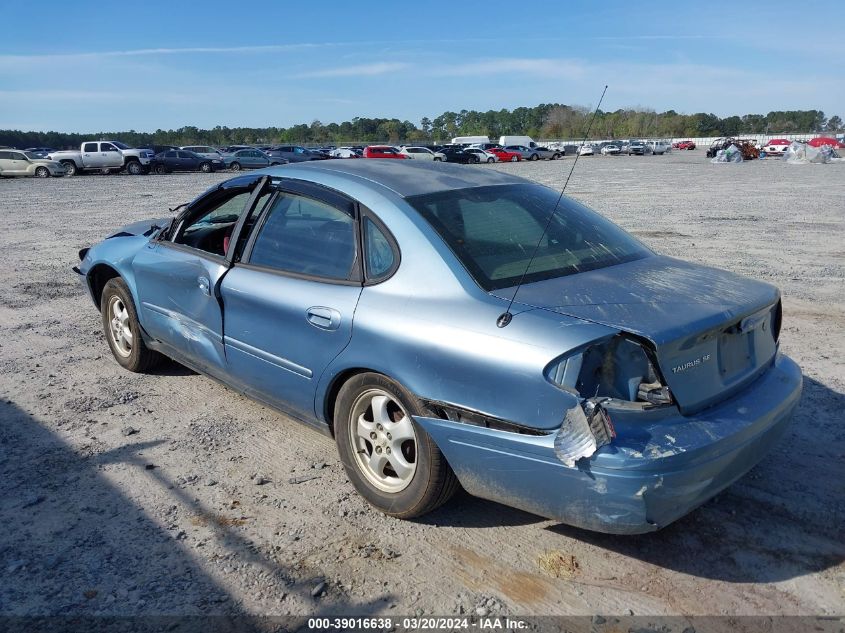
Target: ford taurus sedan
<point x="371" y="300"/>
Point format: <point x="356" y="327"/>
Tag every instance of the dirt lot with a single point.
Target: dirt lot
<point x="142" y="494"/>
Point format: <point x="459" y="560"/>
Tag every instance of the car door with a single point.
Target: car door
<point x="91" y="155"/>
<point x="289" y="303"/>
<point x="177" y="275"/>
<point x="187" y="162"/>
<point x="110" y="156"/>
<point x="13" y="163"/>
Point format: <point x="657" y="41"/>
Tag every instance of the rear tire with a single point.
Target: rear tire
<point x="391" y="461"/>
<point x="122" y="330"/>
<point x="474" y="160"/>
<point x="42" y="172"/>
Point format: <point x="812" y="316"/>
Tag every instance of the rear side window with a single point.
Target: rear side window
<point x="89" y="147"/>
<point x="379" y="257"/>
<point x="307" y="237"/>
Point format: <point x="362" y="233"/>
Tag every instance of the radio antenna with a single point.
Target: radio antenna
<point x="506" y="316"/>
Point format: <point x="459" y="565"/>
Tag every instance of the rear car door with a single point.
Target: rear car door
<point x="177" y="276"/>
<point x="289" y="303"/>
<point x="91" y="155"/>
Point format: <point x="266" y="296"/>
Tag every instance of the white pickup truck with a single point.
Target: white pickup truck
<point x="104" y="156"/>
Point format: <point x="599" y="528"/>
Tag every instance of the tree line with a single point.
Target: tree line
<point x="545" y="121"/>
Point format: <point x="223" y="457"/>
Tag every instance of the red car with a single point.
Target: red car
<point x="383" y="151"/>
<point x="684" y="145"/>
<point x="504" y="155"/>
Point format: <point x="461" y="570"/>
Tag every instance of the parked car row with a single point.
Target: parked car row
<point x="630" y="148"/>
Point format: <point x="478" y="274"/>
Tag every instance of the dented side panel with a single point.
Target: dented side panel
<point x="643" y="480"/>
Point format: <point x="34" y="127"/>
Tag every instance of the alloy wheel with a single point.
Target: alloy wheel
<point x="384" y="440"/>
<point x="119" y="330"/>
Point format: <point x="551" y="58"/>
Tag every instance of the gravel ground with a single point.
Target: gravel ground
<point x="169" y="494"/>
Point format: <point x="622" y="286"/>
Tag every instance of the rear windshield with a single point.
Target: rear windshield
<point x="493" y="231"/>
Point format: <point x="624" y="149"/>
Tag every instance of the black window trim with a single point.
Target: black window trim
<point x="166" y="238"/>
<point x="323" y="194"/>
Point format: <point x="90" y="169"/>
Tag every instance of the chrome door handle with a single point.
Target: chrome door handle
<point x="204" y="285"/>
<point x="323" y="318"/>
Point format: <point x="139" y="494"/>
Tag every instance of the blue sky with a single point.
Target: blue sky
<point x="96" y="66"/>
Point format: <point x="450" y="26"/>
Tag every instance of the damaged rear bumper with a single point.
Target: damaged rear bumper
<point x="661" y="465"/>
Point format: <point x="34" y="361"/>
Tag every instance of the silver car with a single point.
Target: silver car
<point x="15" y="162"/>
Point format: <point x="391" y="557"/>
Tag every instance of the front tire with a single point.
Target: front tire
<point x="122" y="330"/>
<point x="160" y="170"/>
<point x="514" y="159"/>
<point x="491" y="160"/>
<point x="42" y="172"/>
<point x="391" y="461"/>
<point x="134" y="167"/>
<point x="205" y="168"/>
<point x="70" y="168"/>
<point x="534" y="157"/>
<point x="235" y="166"/>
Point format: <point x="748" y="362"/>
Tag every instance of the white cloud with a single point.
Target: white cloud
<point x="359" y="70"/>
<point x="551" y="68"/>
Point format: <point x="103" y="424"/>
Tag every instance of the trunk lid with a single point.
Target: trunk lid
<point x="713" y="331"/>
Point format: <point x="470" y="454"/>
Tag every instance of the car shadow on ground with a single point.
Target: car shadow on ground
<point x="782" y="520"/>
<point x="464" y="510"/>
<point x="74" y="545"/>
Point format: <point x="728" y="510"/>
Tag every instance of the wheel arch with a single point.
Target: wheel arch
<point x="329" y="397"/>
<point x="98" y="277"/>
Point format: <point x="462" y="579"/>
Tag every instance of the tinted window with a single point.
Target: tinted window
<point x="306" y="236"/>
<point x="17" y="156"/>
<point x="185" y="155"/>
<point x="493" y="231"/>
<point x="107" y="147"/>
<point x="379" y="256"/>
<point x="170" y="154"/>
<point x="89" y="147"/>
<point x="5" y="155"/>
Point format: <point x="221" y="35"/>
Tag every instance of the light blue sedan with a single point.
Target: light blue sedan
<point x="371" y="299"/>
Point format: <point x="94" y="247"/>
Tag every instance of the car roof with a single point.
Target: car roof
<point x="406" y="178"/>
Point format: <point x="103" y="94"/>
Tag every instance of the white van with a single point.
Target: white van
<point x="470" y="140"/>
<point x="527" y="141"/>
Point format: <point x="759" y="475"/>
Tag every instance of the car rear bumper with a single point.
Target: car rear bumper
<point x="646" y="478"/>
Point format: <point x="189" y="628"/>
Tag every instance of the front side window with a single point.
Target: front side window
<point x="306" y="236"/>
<point x="493" y="231"/>
<point x="107" y="147"/>
<point x="211" y="230"/>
